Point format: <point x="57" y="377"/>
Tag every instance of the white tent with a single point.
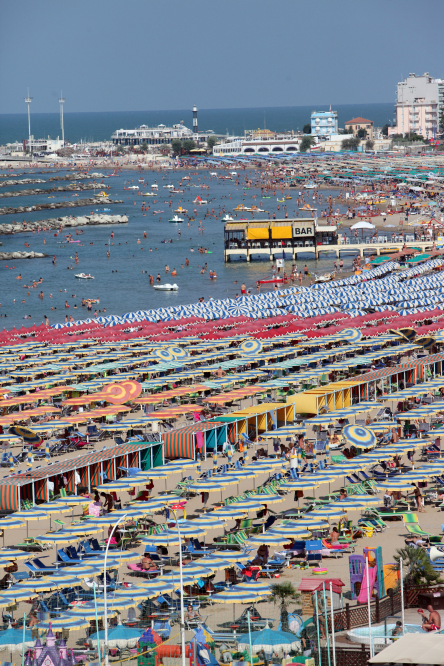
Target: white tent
<point x="413" y="649"/>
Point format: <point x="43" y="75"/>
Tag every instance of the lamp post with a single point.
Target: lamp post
<point x="174" y="507"/>
<point x="105" y="609"/>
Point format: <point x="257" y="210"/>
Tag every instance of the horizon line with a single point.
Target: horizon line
<point x="228" y="108"/>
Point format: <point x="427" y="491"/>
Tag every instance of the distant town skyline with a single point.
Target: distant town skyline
<point x="133" y="55"/>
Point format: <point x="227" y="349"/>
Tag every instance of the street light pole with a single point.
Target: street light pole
<point x="105" y="609"/>
<point x="182" y="612"/>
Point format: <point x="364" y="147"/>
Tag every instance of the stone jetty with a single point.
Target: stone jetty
<point x="64" y="188"/>
<point x="97" y="201"/>
<point x="67" y="221"/>
<point x="21" y="255"/>
<point x="69" y="177"/>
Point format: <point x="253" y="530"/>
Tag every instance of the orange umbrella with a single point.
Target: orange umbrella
<point x="82" y="400"/>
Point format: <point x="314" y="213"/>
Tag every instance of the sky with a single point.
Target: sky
<point x="136" y="55"/>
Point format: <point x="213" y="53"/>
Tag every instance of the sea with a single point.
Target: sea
<point x="99" y="126"/>
<point x="121" y="282"/>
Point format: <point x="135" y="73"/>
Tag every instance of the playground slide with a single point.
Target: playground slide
<point x="362" y="597"/>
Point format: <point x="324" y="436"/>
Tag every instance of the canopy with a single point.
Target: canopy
<point x="413" y="649"/>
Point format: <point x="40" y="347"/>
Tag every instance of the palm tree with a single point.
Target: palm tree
<point x="420" y="570"/>
<point x="283" y="594"/>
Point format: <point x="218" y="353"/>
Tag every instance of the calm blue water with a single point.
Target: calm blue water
<point x="100" y="126"/>
<point x="127" y="289"/>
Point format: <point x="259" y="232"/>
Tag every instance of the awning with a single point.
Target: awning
<point x="413" y="649"/>
<point x="258" y="233"/>
<point x="315" y="584"/>
<point x="281" y="232"/>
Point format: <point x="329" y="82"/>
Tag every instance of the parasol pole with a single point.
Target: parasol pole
<point x="326" y="623"/>
<point x="249" y="638"/>
<point x="317" y="628"/>
<point x="24" y="628"/>
<point x="332" y="624"/>
<point x="402" y="597"/>
<point x="368" y="608"/>
<point x="105" y="614"/>
<point x="97" y="624"/>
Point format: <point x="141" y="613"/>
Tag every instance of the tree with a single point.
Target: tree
<point x="307" y="129"/>
<point x="385" y="130"/>
<point x="306" y="143"/>
<point x="144" y="147"/>
<point x="176" y="145"/>
<point x="369" y="144"/>
<point x="350" y="144"/>
<point x="283" y="594"/>
<point x="211" y="142"/>
<point x="419" y="569"/>
<point x="119" y="149"/>
<point x="362" y="133"/>
<point x="187" y="145"/>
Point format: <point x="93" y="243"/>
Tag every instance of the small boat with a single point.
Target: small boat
<point x="181" y="210"/>
<point x="166" y="287"/>
<point x="169" y="187"/>
<point x="148" y="194"/>
<point x="213" y="173"/>
<point x="200" y="201"/>
<point x="310" y="186"/>
<point x="324" y="278"/>
<point x="176" y="191"/>
<point x="85" y="276"/>
<point x="227" y="218"/>
<point x="154" y="186"/>
<point x="133" y="187"/>
<point x="273" y="280"/>
<point x="176" y="218"/>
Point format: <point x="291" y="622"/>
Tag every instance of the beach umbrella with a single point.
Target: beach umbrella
<point x="269" y="539"/>
<point x="72" y="500"/>
<point x="63" y="536"/>
<point x="359" y="436"/>
<point x="28" y="435"/>
<point x="395" y="484"/>
<point x="290" y="530"/>
<point x="33" y="585"/>
<point x="66" y="621"/>
<point x="350" y="334"/>
<point x="266" y="499"/>
<point x="327" y="512"/>
<point x="163" y="354"/>
<point x="250" y="347"/>
<point x="87" y="611"/>
<point x="213" y="563"/>
<point x="239" y="596"/>
<point x="136" y="592"/>
<point x="268" y="640"/>
<point x="118" y="637"/>
<point x="178" y="352"/>
<point x="11" y="640"/>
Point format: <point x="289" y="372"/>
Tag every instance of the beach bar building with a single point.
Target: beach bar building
<point x="277" y="238"/>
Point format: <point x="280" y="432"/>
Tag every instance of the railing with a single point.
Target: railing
<point x="357" y="616"/>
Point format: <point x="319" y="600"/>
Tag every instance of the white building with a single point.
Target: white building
<point x="419" y="104"/>
<point x="324" y="123"/>
<point x="151" y="135"/>
<point x="43" y="145"/>
<point x="280" y="143"/>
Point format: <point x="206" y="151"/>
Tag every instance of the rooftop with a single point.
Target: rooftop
<point x="358" y="120"/>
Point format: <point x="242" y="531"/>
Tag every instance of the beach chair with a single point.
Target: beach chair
<point x="412" y="525"/>
<point x="36" y="567"/>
